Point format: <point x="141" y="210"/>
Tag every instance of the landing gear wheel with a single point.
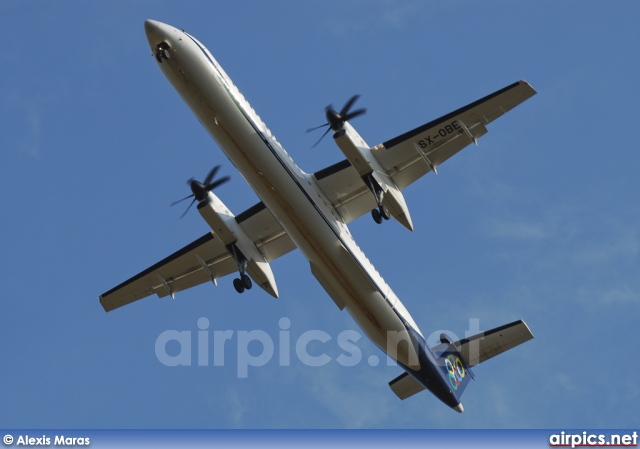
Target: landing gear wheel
<point x="238" y="285"/>
<point x="162" y="52"/>
<point x="384" y="212"/>
<point x="246" y="281"/>
<point x="375" y="213"/>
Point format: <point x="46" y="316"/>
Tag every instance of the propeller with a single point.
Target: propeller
<point x="335" y="120"/>
<point x="201" y="190"/>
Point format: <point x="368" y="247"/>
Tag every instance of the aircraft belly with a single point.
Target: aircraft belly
<point x="289" y="201"/>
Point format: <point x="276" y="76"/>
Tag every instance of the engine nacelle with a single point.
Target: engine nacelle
<point x="223" y="223"/>
<point x="381" y="185"/>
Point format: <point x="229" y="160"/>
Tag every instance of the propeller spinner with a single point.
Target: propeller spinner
<point x="201" y="189"/>
<point x="335" y="120"/>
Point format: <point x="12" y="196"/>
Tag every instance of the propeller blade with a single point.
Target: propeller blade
<point x="180" y="201"/>
<point x="215" y="184"/>
<point x="211" y="174"/>
<point x="354" y="114"/>
<point x="316" y="127"/>
<point x="345" y="110"/>
<point x="320" y="139"/>
<point x="335" y="120"/>
<point x="208" y="185"/>
<point x="185" y="212"/>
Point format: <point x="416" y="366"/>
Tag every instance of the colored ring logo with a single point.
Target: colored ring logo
<point x="455" y="370"/>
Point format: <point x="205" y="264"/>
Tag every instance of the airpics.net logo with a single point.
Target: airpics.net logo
<point x="590" y="439"/>
<point x="208" y="346"/>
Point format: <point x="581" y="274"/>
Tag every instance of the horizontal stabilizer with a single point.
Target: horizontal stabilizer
<point x="404" y="386"/>
<point x="485" y="345"/>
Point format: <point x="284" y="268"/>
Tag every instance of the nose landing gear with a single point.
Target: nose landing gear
<point x="162" y="52"/>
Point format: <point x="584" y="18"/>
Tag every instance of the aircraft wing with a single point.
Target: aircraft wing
<point x="184" y="268"/>
<point x="410" y="156"/>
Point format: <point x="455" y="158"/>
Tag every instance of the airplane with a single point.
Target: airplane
<point x="311" y="212"/>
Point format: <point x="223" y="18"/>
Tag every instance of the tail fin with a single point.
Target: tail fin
<point x="454" y="367"/>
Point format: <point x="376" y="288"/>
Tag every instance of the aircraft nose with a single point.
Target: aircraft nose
<point x="156" y="32"/>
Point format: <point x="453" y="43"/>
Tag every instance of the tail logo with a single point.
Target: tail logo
<point x="455" y="369"/>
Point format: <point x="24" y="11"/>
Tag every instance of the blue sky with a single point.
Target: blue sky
<point x="539" y="222"/>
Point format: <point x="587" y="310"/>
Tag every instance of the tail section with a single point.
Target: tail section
<point x="446" y="371"/>
<point x="454" y="367"/>
<point x="456" y="358"/>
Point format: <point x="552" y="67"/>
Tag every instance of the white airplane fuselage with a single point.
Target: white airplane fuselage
<point x="291" y="195"/>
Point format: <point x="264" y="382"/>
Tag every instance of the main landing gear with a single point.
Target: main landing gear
<point x="380" y="213"/>
<point x="162" y="52"/>
<point x="244" y="281"/>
